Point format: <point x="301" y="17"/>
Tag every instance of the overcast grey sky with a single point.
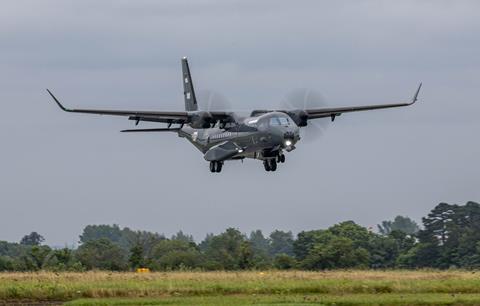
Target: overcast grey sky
<point x="60" y="172"/>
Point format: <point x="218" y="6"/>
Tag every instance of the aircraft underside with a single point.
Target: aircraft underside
<point x="235" y="146"/>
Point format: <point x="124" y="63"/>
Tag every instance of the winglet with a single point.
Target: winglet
<point x="58" y="102"/>
<point x="414" y="99"/>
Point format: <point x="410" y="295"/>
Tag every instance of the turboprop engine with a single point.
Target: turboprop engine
<point x="201" y="120"/>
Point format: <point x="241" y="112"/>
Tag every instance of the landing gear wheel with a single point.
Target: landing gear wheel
<point x="216" y="166"/>
<point x="282" y="158"/>
<point x="266" y="164"/>
<point x="273" y="164"/>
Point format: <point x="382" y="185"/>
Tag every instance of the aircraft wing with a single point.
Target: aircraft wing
<point x="173" y="117"/>
<point x="180" y="117"/>
<point x="337" y="111"/>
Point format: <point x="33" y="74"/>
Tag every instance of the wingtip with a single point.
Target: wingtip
<point x="56" y="101"/>
<point x="415" y="97"/>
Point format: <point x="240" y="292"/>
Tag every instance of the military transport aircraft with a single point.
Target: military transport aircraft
<point x="223" y="135"/>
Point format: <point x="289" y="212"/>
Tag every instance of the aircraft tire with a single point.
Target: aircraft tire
<point x="212" y="166"/>
<point x="266" y="164"/>
<point x="219" y="167"/>
<point x="273" y="165"/>
<point x="282" y="158"/>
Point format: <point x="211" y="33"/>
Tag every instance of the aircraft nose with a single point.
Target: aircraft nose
<point x="289" y="135"/>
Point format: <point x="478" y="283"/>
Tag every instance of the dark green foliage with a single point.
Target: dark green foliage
<point x="175" y="254"/>
<point x="281" y="243"/>
<point x="284" y="262"/>
<point x="31" y="239"/>
<point x="400" y="223"/>
<point x="62" y="260"/>
<point x="6" y="264"/>
<point x="181" y="236"/>
<point x="450" y="238"/>
<point x="102" y="254"/>
<point x="228" y="251"/>
<point x="136" y="258"/>
<point x="125" y="238"/>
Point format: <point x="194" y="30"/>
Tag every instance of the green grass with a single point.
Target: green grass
<point x="240" y="288"/>
<point x="351" y="299"/>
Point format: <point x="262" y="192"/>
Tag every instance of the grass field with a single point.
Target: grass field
<point x="245" y="288"/>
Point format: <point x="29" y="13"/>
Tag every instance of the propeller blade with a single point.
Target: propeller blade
<point x="304" y="98"/>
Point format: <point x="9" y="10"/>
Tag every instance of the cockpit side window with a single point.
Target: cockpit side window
<point x="284" y="121"/>
<point x="276" y="121"/>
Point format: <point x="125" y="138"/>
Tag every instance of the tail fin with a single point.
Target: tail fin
<point x="188" y="91"/>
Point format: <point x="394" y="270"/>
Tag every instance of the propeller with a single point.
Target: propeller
<point x="305" y="98"/>
<point x="210" y="100"/>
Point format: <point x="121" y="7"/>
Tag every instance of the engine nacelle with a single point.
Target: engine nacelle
<point x="201" y="120"/>
<point x="300" y="117"/>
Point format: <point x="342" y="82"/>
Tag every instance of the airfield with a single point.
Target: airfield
<point x="349" y="287"/>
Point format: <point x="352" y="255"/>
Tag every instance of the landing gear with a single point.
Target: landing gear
<point x="281" y="158"/>
<point x="270" y="164"/>
<point x="216" y="166"/>
<point x="266" y="165"/>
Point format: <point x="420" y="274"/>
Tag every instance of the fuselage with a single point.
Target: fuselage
<point x="260" y="137"/>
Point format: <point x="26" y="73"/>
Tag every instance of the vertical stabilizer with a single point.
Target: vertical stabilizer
<point x="188" y="91"/>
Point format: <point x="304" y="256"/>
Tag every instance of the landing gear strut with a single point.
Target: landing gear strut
<point x="216" y="166"/>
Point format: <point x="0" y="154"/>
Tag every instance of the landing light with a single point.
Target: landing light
<point x="240" y="150"/>
<point x="288" y="143"/>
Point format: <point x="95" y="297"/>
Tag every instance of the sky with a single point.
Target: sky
<point x="60" y="172"/>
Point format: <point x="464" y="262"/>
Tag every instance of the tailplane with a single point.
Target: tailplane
<point x="188" y="91"/>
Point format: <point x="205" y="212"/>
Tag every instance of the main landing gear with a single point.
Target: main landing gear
<point x="271" y="163"/>
<point x="216" y="166"/>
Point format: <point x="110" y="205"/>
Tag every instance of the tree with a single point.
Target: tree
<point x="175" y="254"/>
<point x="6" y="264"/>
<point x="281" y="243"/>
<point x="338" y="252"/>
<point x="136" y="259"/>
<point x="62" y="260"/>
<point x="284" y="262"/>
<point x="260" y="247"/>
<point x="102" y="254"/>
<point x="111" y="232"/>
<point x="230" y="251"/>
<point x="260" y="244"/>
<point x="306" y="240"/>
<point x="400" y="223"/>
<point x="31" y="239"/>
<point x="182" y="237"/>
<point x="36" y="256"/>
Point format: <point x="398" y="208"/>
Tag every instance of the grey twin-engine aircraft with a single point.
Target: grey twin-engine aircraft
<point x="222" y="135"/>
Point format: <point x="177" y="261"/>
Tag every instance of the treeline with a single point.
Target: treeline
<point x="450" y="238"/>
